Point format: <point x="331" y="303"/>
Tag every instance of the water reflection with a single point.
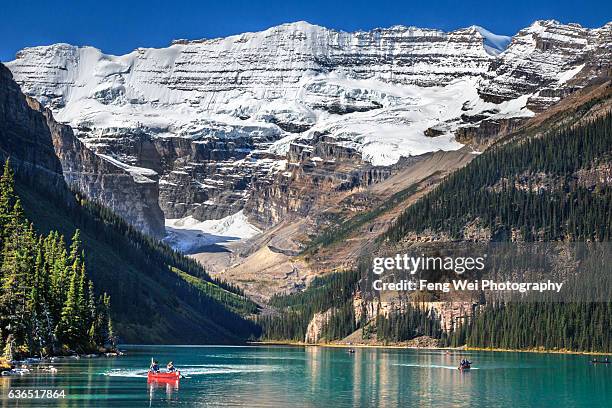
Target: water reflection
<point x="170" y="388"/>
<point x="322" y="377"/>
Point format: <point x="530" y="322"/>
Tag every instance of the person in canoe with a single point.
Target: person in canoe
<point x="170" y="367"/>
<point x="465" y="364"/>
<point x="604" y="361"/>
<point x="154" y="368"/>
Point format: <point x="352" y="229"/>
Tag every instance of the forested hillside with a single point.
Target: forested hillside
<point x="547" y="182"/>
<point x="48" y="305"/>
<point x="538" y="186"/>
<point x="295" y="311"/>
<point x="158" y="294"/>
<point x="531" y="185"/>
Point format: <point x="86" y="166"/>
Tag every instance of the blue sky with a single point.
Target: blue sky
<point x="118" y="27"/>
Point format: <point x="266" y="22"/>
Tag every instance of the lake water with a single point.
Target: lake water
<point x="323" y="377"/>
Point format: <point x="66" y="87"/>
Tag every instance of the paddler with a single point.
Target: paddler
<point x="154" y="366"/>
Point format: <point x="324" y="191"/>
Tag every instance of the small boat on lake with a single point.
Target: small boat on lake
<point x="154" y="374"/>
<point x="165" y="376"/>
<point x="465" y="365"/>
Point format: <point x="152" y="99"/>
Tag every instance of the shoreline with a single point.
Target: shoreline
<point x="398" y="346"/>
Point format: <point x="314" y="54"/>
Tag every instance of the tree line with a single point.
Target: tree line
<point x="154" y="295"/>
<point x="407" y="324"/>
<point x="579" y="326"/>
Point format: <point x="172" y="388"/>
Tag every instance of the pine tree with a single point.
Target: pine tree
<point x="7" y="198"/>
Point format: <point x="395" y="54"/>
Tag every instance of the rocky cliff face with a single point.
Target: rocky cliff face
<point x="25" y="138"/>
<point x="49" y="152"/>
<point x="316" y="325"/>
<point x="549" y="60"/>
<point x="310" y="172"/>
<point x="223" y="121"/>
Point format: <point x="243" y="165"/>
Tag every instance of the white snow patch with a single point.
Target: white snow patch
<point x="190" y="235"/>
<point x="565" y="76"/>
<point x="384" y="135"/>
<point x="139" y="174"/>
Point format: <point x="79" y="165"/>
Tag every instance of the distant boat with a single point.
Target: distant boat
<point x="465" y="365"/>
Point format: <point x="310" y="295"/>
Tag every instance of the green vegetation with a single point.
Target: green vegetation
<point x="528" y="185"/>
<point x="238" y="303"/>
<point x="410" y="323"/>
<point x="551" y="326"/>
<point x="151" y="302"/>
<point x="48" y="305"/>
<point x="333" y="291"/>
<point x="566" y="212"/>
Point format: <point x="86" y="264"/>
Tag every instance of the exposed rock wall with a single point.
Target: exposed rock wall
<point x="450" y="314"/>
<point x="319" y="170"/>
<point x="487" y="130"/>
<point x="543" y="57"/>
<point x="42" y="148"/>
<point x="25" y="138"/>
<point x="316" y="325"/>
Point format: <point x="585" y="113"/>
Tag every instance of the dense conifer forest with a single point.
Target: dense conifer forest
<point x="552" y="326"/>
<point x="159" y="295"/>
<point x="48" y="304"/>
<point x="562" y="210"/>
<point x="333" y="291"/>
<point x="529" y="187"/>
<point x="410" y="323"/>
<point x="500" y="189"/>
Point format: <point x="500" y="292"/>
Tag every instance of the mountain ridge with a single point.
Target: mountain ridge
<point x="216" y="118"/>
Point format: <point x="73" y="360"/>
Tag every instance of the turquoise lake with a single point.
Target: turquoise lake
<point x="276" y="376"/>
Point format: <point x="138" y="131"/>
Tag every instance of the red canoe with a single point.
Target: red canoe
<point x="173" y="376"/>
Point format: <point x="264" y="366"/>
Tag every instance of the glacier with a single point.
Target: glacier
<point x="190" y="235"/>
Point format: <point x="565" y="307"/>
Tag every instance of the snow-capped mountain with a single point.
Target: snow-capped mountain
<point x="542" y="58"/>
<point x="211" y="116"/>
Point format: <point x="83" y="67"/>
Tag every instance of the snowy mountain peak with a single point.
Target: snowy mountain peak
<point x="207" y="115"/>
<point x="299" y="25"/>
<point x="545" y="23"/>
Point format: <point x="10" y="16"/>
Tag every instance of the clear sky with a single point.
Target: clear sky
<point x="119" y="26"/>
